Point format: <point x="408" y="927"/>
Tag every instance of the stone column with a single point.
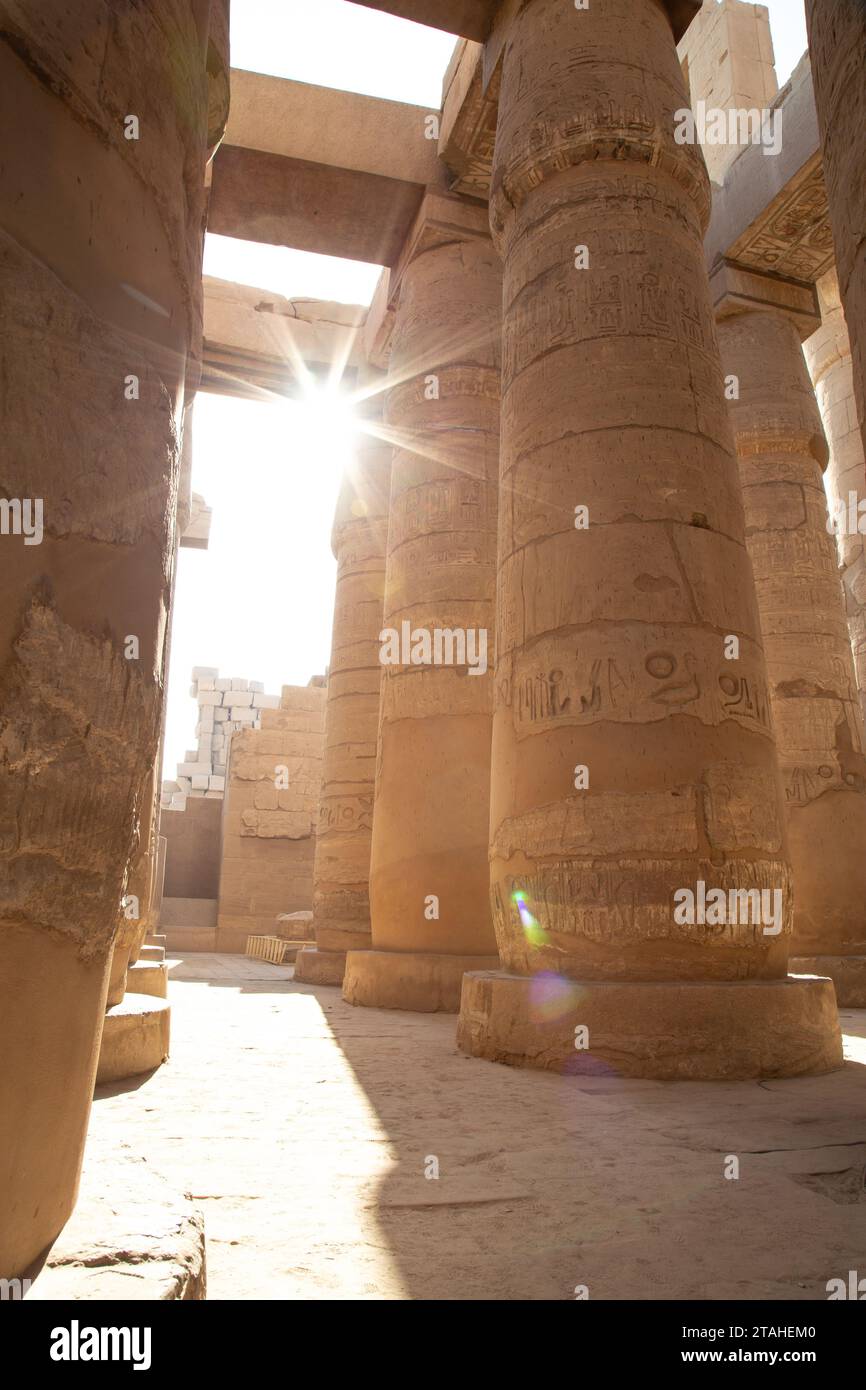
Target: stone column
<point x="634" y="769"/>
<point x="100" y="261"/>
<point x="819" y="729"/>
<point x="828" y="356"/>
<point x="428" y="876"/>
<point x="341" y="876"/>
<point x="837" y="49"/>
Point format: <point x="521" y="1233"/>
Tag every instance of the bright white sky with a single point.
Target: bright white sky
<point x="258" y="603"/>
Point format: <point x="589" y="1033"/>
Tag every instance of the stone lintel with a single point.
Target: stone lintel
<point x="467" y="132"/>
<point x="258" y="342"/>
<point x="471" y="19"/>
<point x="771" y="213"/>
<point x="309" y="206"/>
<point x="323" y="125"/>
<point x="736" y="289"/>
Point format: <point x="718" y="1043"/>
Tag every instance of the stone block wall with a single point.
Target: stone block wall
<point x="226" y="705"/>
<point x="271" y="805"/>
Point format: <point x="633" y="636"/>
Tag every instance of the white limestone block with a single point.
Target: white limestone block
<point x="257" y="687"/>
<point x="200" y="783"/>
<point x="242" y="714"/>
<point x="184" y="784"/>
<point x="261" y="701"/>
<point x="213" y="796"/>
<point x="220" y="715"/>
<point x="205" y="683"/>
<point x="222" y="683"/>
<point x="206" y="719"/>
<point x="199" y="671"/>
<point x="238" y="684"/>
<point x="216" y="783"/>
<point x="241" y="698"/>
<point x="210" y="697"/>
<point x="194" y="768"/>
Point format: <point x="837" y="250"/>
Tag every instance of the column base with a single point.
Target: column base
<point x="134" y="1038"/>
<point x="315" y="967"/>
<point x="848" y="974"/>
<point x="422" y="982"/>
<point x="148" y="977"/>
<point x="677" y="1031"/>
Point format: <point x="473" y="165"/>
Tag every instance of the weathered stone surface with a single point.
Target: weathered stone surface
<point x="423" y="981"/>
<point x="135" y="1038"/>
<point x="100" y="266"/>
<point x="837" y="45"/>
<point x="610" y="639"/>
<point x="816" y="711"/>
<point x="428" y="876"/>
<point x="268" y="828"/>
<point x="341" y="902"/>
<point x="315" y="967"/>
<point x="696" y="1030"/>
<point x="828" y="355"/>
<point x="132" y="1237"/>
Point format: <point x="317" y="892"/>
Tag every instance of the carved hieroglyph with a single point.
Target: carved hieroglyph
<point x="430" y="826"/>
<point x="612" y="622"/>
<point x="828" y="355"/>
<point x="781" y="447"/>
<point x="341" y="904"/>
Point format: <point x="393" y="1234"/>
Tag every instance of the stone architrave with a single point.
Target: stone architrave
<point x="813" y="690"/>
<point x="429" y="899"/>
<point x="828" y="356"/>
<point x="341" y="875"/>
<point x="837" y="50"/>
<point x="100" y="275"/>
<point x="634" y="768"/>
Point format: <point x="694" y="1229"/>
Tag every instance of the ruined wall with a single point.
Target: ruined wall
<point x="271" y="806"/>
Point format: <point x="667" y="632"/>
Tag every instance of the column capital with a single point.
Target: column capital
<point x="736" y="290"/>
<point x="441" y="218"/>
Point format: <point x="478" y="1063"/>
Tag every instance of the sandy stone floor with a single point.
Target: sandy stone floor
<point x="303" y="1126"/>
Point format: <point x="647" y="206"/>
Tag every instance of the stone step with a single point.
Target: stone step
<point x="152" y="952"/>
<point x="155" y="938"/>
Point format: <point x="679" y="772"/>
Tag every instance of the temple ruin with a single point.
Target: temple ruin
<point x="582" y="790"/>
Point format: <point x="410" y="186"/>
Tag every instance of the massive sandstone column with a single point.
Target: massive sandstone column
<point x="100" y="260"/>
<point x="341" y="876"/>
<point x="630" y="758"/>
<point x="837" y="50"/>
<point x="819" y="729"/>
<point x="828" y="355"/>
<point x="428" y="877"/>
